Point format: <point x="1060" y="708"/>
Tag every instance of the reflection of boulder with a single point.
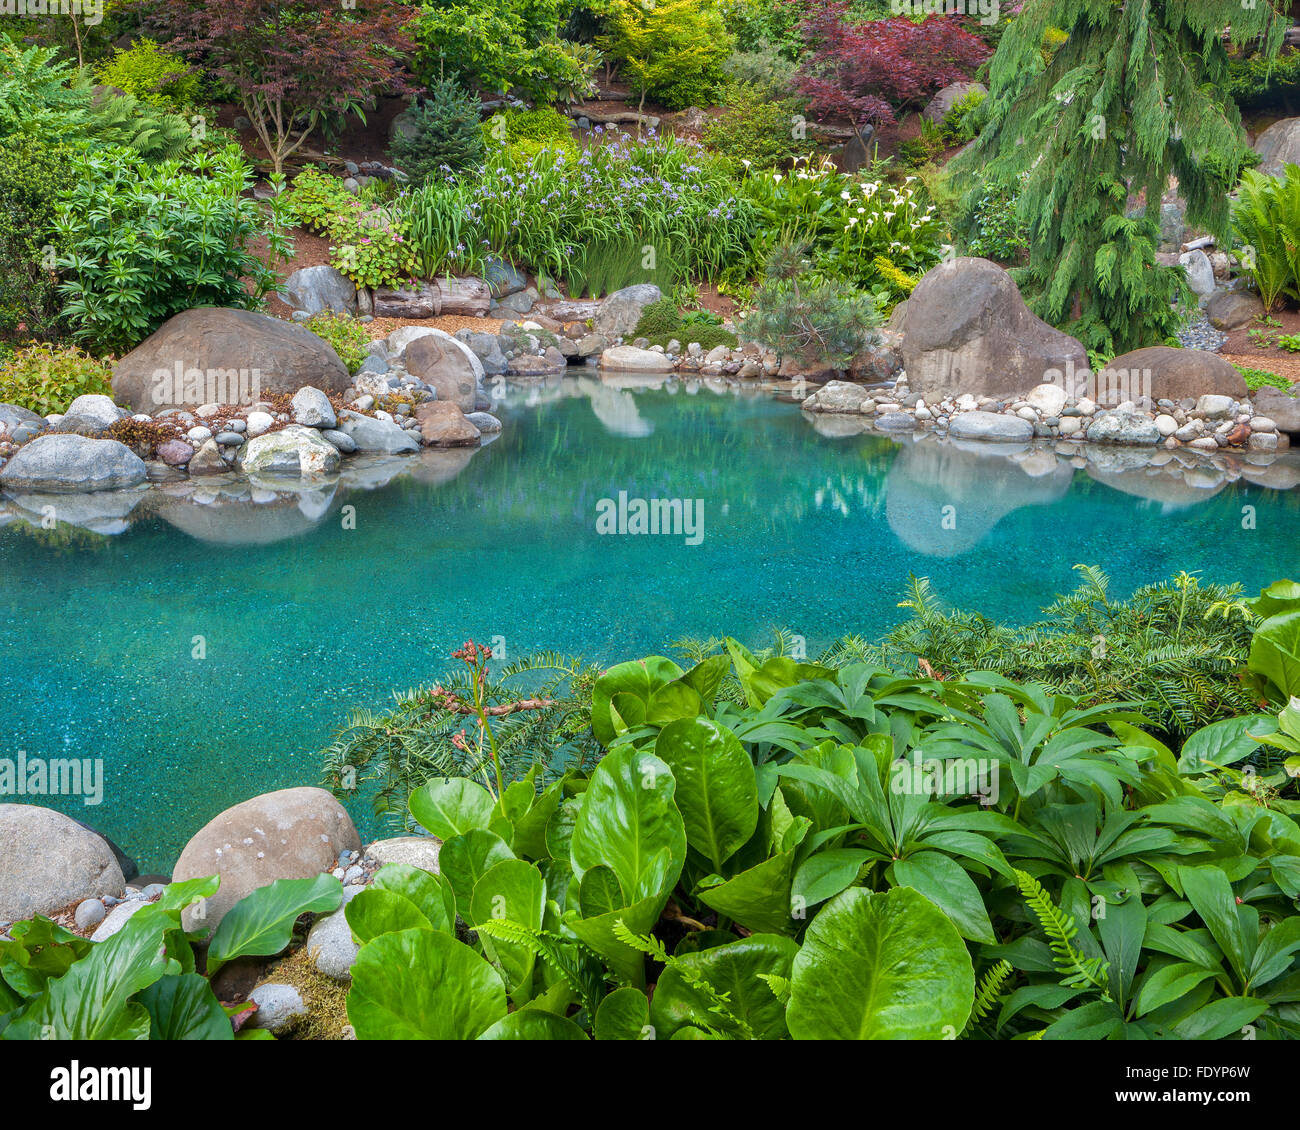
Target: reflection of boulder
<point x="104" y="512"/>
<point x="370" y="472"/>
<point x="837" y="425"/>
<point x="436" y="466"/>
<point x="1283" y="473"/>
<point x="1170" y="487"/>
<point x="981" y="486"/>
<point x="615" y="408"/>
<point x="231" y="522"/>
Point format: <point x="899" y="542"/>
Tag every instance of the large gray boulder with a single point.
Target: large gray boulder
<point x="288" y="834"/>
<point x="48" y="860"/>
<point x="1281" y="407"/>
<point x="948" y="97"/>
<point x="620" y="312"/>
<point x="1124" y="426"/>
<point x="90" y="415"/>
<point x="837" y="396"/>
<point x="212" y="355"/>
<point x="447" y="366"/>
<point x="1279" y="146"/>
<point x="630" y="359"/>
<point x="1232" y="309"/>
<point x="993" y="427"/>
<point x="71" y="464"/>
<point x="295" y="450"/>
<point x="967" y="330"/>
<point x="371" y="435"/>
<point x="313" y="289"/>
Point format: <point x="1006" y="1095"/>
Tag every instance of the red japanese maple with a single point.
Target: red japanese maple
<point x="863" y="71"/>
<point x="292" y="62"/>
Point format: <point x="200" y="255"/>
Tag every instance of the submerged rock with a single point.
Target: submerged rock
<point x="71" y="464"/>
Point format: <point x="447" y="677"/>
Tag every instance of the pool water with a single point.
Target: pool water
<point x="207" y="653"/>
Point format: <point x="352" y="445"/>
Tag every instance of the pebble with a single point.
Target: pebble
<point x="89" y="914"/>
<point x="1199" y="334"/>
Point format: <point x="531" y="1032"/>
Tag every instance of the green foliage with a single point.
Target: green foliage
<point x="45" y="97"/>
<point x="47" y="378"/>
<point x="846" y="222"/>
<point x="446" y="136"/>
<point x="766" y="70"/>
<point x="501" y="45"/>
<point x="662" y="322"/>
<point x="827" y="816"/>
<point x="1258" y="80"/>
<point x="996" y="230"/>
<point x="962" y="121"/>
<point x="32" y="174"/>
<point x="756" y="131"/>
<point x="152" y="74"/>
<point x="552" y="211"/>
<point x="1164" y="647"/>
<point x="1095" y="123"/>
<point x="813" y="319"/>
<point x="545" y="126"/>
<point x="1275" y="648"/>
<point x="142" y="983"/>
<point x="369" y="242"/>
<point x="671" y="51"/>
<point x="1259" y="378"/>
<point x="346" y="335"/>
<point x="146" y="242"/>
<point x="1266" y="223"/>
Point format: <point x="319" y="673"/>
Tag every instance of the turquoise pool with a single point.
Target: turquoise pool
<point x="301" y="616"/>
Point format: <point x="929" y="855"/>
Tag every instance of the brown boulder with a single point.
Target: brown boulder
<point x="447" y="366"/>
<point x="212" y="355"/>
<point x="443" y="424"/>
<point x="288" y="834"/>
<point x="1232" y="309"/>
<point x="1162" y="372"/>
<point x="967" y="330"/>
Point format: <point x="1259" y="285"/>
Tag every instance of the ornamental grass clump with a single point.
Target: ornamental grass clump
<point x="546" y="210"/>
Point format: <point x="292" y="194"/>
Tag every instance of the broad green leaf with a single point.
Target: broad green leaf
<point x="261" y="923"/>
<point x="559" y="829"/>
<point x="432" y="893"/>
<point x="1170" y="983"/>
<point x="1275" y="653"/>
<point x="1219" y="1019"/>
<point x="514" y="890"/>
<point x="182" y="1007"/>
<point x="638" y="679"/>
<point x="717" y="792"/>
<point x="1223" y="743"/>
<point x="627" y="964"/>
<point x="534" y="1024"/>
<point x="732" y="969"/>
<point x="825" y="873"/>
<point x="946" y="884"/>
<point x="760" y="898"/>
<point x="93" y="1000"/>
<point x="1208" y="890"/>
<point x="423" y="985"/>
<point x="880" y="966"/>
<point x="628" y="822"/>
<point x="599" y="892"/>
<point x="623" y="1015"/>
<point x="530" y="829"/>
<point x="376" y="911"/>
<point x="452" y="806"/>
<point x="465" y="859"/>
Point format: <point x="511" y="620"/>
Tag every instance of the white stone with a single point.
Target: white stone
<point x="259" y="423"/>
<point x="1166" y="425"/>
<point x="1046" y="399"/>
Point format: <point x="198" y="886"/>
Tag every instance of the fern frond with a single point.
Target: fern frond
<point x="987" y="993"/>
<point x="580" y="967"/>
<point x="1078" y="971"/>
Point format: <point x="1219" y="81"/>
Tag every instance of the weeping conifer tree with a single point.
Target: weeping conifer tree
<point x="1092" y="102"/>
